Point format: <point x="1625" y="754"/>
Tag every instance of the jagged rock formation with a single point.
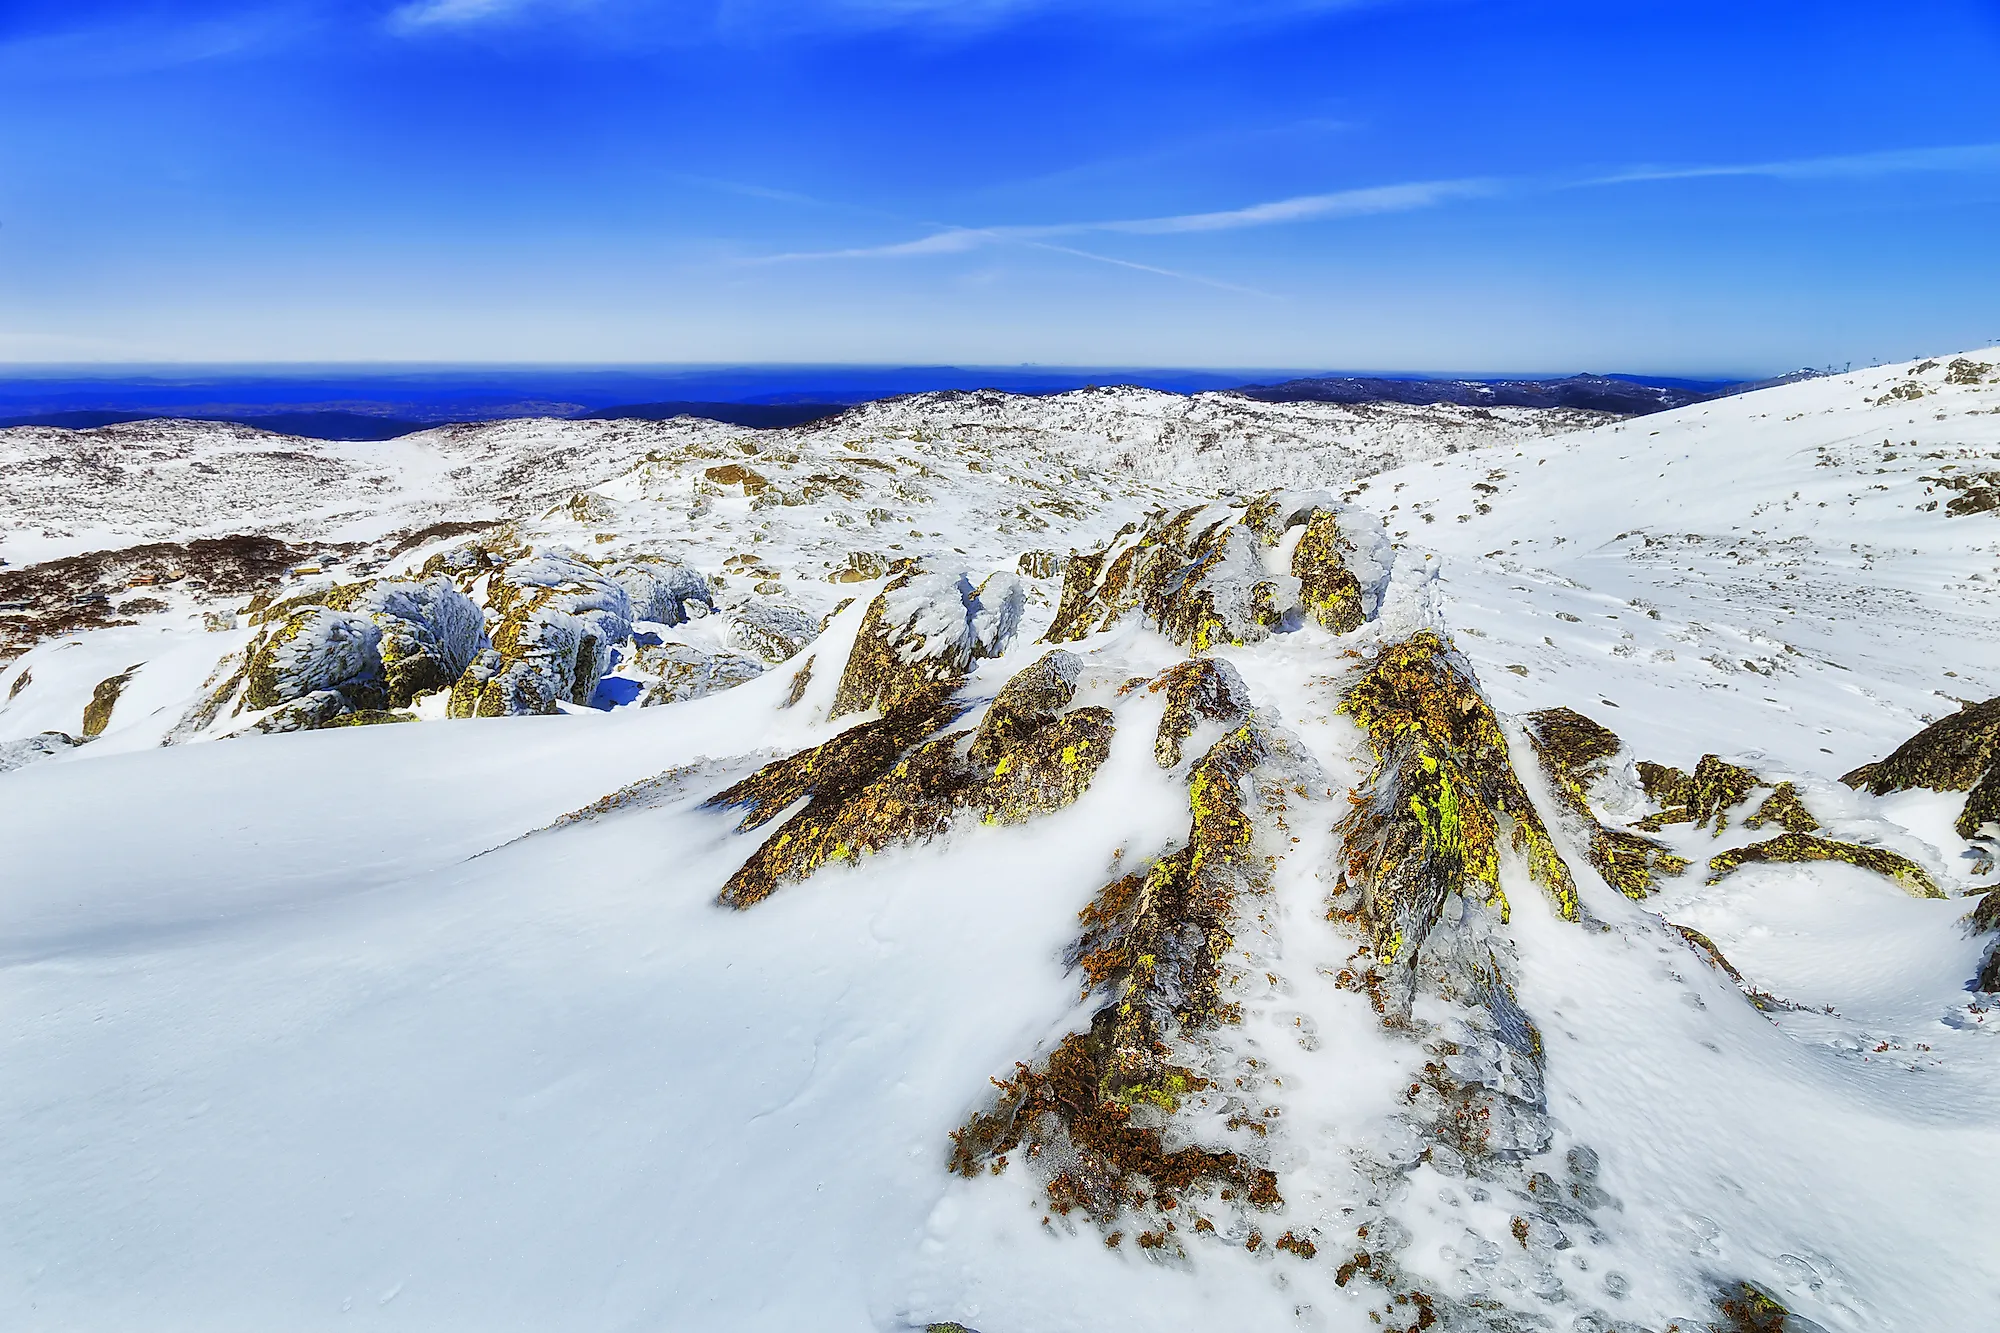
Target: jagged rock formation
<point x="1573" y="751"/>
<point x="1957" y="753"/>
<point x="883" y="782"/>
<point x="1702" y="798"/>
<point x="1444" y="790"/>
<point x="1222" y="573"/>
<point x="922" y="633"/>
<point x="1091" y="1117"/>
<point x="103" y="699"/>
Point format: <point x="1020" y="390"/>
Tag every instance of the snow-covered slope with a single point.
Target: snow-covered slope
<point x="1331" y="977"/>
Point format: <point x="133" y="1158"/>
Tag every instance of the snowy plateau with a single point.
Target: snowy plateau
<point x="1098" y="862"/>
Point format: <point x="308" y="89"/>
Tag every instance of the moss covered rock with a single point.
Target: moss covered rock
<point x="1957" y="753"/>
<point x="921" y="635"/>
<point x="103" y="699"/>
<point x="1573" y="751"/>
<point x="891" y="781"/>
<point x="1802" y="847"/>
<point x="1703" y="798"/>
<point x="1444" y="788"/>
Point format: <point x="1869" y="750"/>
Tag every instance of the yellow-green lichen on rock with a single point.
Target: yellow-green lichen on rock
<point x="1200" y="575"/>
<point x="1201" y="689"/>
<point x="883" y="782"/>
<point x="1331" y="593"/>
<point x="1429" y="824"/>
<point x="1092" y="1116"/>
<point x="1956" y="753"/>
<point x="1573" y="750"/>
<point x="922" y="633"/>
<point x="1703" y="797"/>
<point x="1786" y="809"/>
<point x="1803" y="847"/>
<point x="103" y="699"/>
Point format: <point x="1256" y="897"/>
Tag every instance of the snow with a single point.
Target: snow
<point x="333" y="1029"/>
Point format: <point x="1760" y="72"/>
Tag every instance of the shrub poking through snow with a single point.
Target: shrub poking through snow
<point x="1573" y="750"/>
<point x="883" y="783"/>
<point x="1428" y="826"/>
<point x="1957" y="753"/>
<point x="1800" y="847"/>
<point x="922" y="634"/>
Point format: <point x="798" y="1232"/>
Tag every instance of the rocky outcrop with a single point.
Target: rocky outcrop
<point x="665" y="592"/>
<point x="1802" y="847"/>
<point x="1703" y="798"/>
<point x="1199" y="690"/>
<point x="1574" y="751"/>
<point x="1094" y="1118"/>
<point x="32" y="749"/>
<point x="1226" y="573"/>
<point x="681" y="671"/>
<point x="769" y="631"/>
<point x="888" y="781"/>
<point x="103" y="699"/>
<point x="921" y="635"/>
<point x="1957" y="753"/>
<point x="1427" y="829"/>
<point x="558" y="618"/>
<point x="369" y="645"/>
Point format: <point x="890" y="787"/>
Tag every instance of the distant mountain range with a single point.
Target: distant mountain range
<point x="402" y="405"/>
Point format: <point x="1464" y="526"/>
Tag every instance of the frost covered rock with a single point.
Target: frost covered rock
<point x="30" y="749"/>
<point x="922" y="634"/>
<point x="373" y="644"/>
<point x="430" y="634"/>
<point x="316" y="649"/>
<point x="681" y="671"/>
<point x="661" y="590"/>
<point x="558" y="619"/>
<point x="770" y="631"/>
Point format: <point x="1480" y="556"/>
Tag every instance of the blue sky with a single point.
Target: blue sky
<point x="1444" y="185"/>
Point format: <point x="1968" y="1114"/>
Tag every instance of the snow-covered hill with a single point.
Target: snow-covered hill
<point x="1102" y="862"/>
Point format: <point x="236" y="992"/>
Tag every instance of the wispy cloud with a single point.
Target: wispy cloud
<point x="1406" y="197"/>
<point x="1307" y="208"/>
<point x="1303" y="208"/>
<point x="143" y="46"/>
<point x="1954" y="158"/>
